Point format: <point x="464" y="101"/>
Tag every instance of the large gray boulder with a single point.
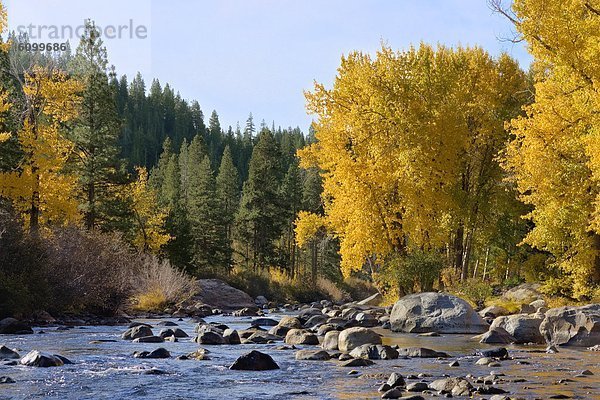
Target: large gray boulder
<point x="524" y="328"/>
<point x="301" y="336"/>
<point x="351" y="338"/>
<point x="572" y="326"/>
<point x="11" y="326"/>
<point x="218" y="294"/>
<point x="525" y="293"/>
<point x="330" y="342"/>
<point x="435" y="312"/>
<point x="37" y="358"/>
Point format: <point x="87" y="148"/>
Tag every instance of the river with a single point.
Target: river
<point x="109" y="371"/>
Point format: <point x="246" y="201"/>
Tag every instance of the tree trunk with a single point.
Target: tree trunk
<point x="458" y="247"/>
<point x="313" y="261"/>
<point x="596" y="247"/>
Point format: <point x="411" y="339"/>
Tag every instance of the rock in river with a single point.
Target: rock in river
<point x="524" y="328"/>
<point x="11" y="326"/>
<point x="351" y="338"/>
<point x="301" y="336"/>
<point x="158" y="353"/>
<point x="136" y="332"/>
<point x="254" y="361"/>
<point x="572" y="326"/>
<point x="37" y="358"/>
<point x="8" y="354"/>
<point x="374" y="352"/>
<point x="496" y="336"/>
<point x="435" y="312"/>
<point x="312" y="355"/>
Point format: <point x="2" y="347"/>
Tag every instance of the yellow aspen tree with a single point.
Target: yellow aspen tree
<point x="406" y="142"/>
<point x="38" y="187"/>
<point x="149" y="217"/>
<point x="4" y="103"/>
<point x="555" y="155"/>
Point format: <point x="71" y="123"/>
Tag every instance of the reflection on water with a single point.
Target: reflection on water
<point x="108" y="371"/>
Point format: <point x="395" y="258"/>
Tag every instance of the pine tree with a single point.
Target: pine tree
<point x="228" y="195"/>
<point x="205" y="219"/>
<point x="96" y="133"/>
<point x="291" y="196"/>
<point x="259" y="220"/>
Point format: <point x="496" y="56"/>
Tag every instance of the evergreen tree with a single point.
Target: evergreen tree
<point x="214" y="138"/>
<point x="96" y="134"/>
<point x="228" y="195"/>
<point x="205" y="218"/>
<point x="259" y="220"/>
<point x="291" y="195"/>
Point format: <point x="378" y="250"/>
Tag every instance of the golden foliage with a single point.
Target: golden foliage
<point x="148" y="215"/>
<point x="555" y="156"/>
<point x="39" y="188"/>
<point x="307" y="226"/>
<point x="405" y="139"/>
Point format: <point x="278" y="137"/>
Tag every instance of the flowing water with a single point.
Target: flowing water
<point x="108" y="370"/>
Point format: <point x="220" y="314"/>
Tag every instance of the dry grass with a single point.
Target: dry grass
<point x="332" y="291"/>
<point x="158" y="284"/>
<point x="510" y="305"/>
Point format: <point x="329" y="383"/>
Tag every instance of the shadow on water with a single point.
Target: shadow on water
<point x="108" y="371"/>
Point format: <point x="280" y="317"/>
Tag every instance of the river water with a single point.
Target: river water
<point x="108" y="370"/>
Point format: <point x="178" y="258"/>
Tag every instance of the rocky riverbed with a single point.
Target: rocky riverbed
<point x="317" y="351"/>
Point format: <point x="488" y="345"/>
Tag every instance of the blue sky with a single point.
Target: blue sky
<point x="242" y="56"/>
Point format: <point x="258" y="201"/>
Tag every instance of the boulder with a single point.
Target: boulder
<point x="263" y="322"/>
<point x="6" y="379"/>
<point x="374" y="352"/>
<point x="454" y="386"/>
<point x="416" y="387"/>
<point x="525" y="293"/>
<point x="218" y="294"/>
<point x="254" y="361"/>
<point x="246" y="312"/>
<point x="421" y="352"/>
<point x="499" y="352"/>
<point x="290" y="322"/>
<point x="525" y="328"/>
<point x="210" y="337"/>
<point x="8" y="354"/>
<point x="11" y="326"/>
<point x="312" y="355"/>
<point x="231" y="336"/>
<point x="301" y="336"/>
<point x="307" y="313"/>
<point x="572" y="326"/>
<point x="149" y="339"/>
<point x="330" y="342"/>
<point x="261" y="338"/>
<point x="37" y="358"/>
<point x="366" y="320"/>
<point x="435" y="312"/>
<point x="261" y="301"/>
<point x="395" y="380"/>
<point x="496" y="335"/>
<point x="137" y="331"/>
<point x="351" y="338"/>
<point x="323" y="329"/>
<point x="356" y="362"/>
<point x="158" y="353"/>
<point x="315" y="321"/>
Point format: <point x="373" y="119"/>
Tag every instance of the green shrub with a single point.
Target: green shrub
<point x="473" y="290"/>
